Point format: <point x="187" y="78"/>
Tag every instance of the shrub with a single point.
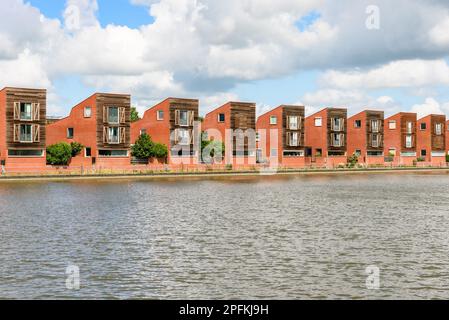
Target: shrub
<point x="420" y="159"/>
<point x="353" y="160"/>
<point x="76" y="148"/>
<point x="159" y="150"/>
<point x="447" y="158"/>
<point x="59" y="154"/>
<point x="143" y="147"/>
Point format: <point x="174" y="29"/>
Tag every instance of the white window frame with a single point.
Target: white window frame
<point x="87" y="112"/>
<point x="273" y="120"/>
<point x="31" y="111"/>
<point x="439" y="129"/>
<point x="218" y="117"/>
<point x="374" y="126"/>
<point x="318" y="122"/>
<point x="375" y="140"/>
<point x="334" y="141"/>
<point x="292" y="140"/>
<point x="296" y="123"/>
<point x="109" y="115"/>
<point x="73" y="131"/>
<point x="409" y="141"/>
<point x="186" y="112"/>
<point x="409" y="126"/>
<point x="392" y="125"/>
<point x="160" y="115"/>
<point x="31" y="133"/>
<point x="181" y="137"/>
<point x="110" y="130"/>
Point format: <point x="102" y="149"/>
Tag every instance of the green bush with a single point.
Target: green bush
<point x="143" y="147"/>
<point x="159" y="150"/>
<point x="447" y="158"/>
<point x="76" y="148"/>
<point x="59" y="154"/>
<point x="353" y="160"/>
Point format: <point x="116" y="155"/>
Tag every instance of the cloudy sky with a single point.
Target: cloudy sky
<point x="314" y="52"/>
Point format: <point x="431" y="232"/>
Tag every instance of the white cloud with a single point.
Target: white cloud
<point x="430" y="106"/>
<point x="397" y="74"/>
<point x="439" y="35"/>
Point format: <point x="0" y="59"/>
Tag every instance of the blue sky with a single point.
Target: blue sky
<point x="318" y="54"/>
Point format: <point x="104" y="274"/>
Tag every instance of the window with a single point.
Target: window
<point x="423" y="126"/>
<point x="293" y="122"/>
<point x="337" y="124"/>
<point x="88" y="152"/>
<point x="113" y="135"/>
<point x="375" y="153"/>
<point x="183" y="118"/>
<point x="70" y="133"/>
<point x="374" y="126"/>
<point x="25" y="153"/>
<point x="221" y="117"/>
<point x="113" y="116"/>
<point x="358" y="152"/>
<point x="26" y="133"/>
<point x="183" y="136"/>
<point x="299" y="153"/>
<point x="375" y="141"/>
<point x="273" y="120"/>
<point x="87" y="112"/>
<point x="26" y="111"/>
<point x="318" y="153"/>
<point x="293" y="139"/>
<point x="408" y="141"/>
<point x="392" y="124"/>
<point x="357" y="123"/>
<point x="409" y="127"/>
<point x="337" y="140"/>
<point x="143" y="131"/>
<point x="113" y="153"/>
<point x="318" y="122"/>
<point x="438" y="129"/>
<point x="392" y="152"/>
<point x="160" y="115"/>
<point x="423" y="153"/>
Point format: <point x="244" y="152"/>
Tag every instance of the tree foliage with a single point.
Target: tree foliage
<point x="76" y="148"/>
<point x="134" y="114"/>
<point x="59" y="154"/>
<point x="145" y="148"/>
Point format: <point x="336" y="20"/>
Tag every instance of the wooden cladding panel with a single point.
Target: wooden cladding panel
<point x="38" y="99"/>
<point x="342" y="114"/>
<point x="289" y="111"/>
<point x="243" y="116"/>
<point x="176" y="105"/>
<point x="379" y="117"/>
<point x="123" y="102"/>
<point x="405" y="118"/>
<point x="438" y="141"/>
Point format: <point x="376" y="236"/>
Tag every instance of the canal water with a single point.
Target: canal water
<point x="360" y="236"/>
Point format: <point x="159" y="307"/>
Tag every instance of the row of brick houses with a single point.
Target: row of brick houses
<point x="283" y="136"/>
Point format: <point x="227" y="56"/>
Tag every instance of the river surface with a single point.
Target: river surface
<point x="268" y="237"/>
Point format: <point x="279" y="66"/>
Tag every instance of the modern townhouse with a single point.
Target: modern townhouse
<point x="171" y="122"/>
<point x="326" y="137"/>
<point x="22" y="129"/>
<point x="400" y="138"/>
<point x="101" y="123"/>
<point x="431" y="139"/>
<point x="235" y="124"/>
<point x="366" y="137"/>
<point x="280" y="136"/>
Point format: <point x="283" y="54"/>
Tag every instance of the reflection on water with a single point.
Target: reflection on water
<point x="276" y="237"/>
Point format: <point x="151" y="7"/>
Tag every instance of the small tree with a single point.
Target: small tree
<point x="134" y="114"/>
<point x="353" y="160"/>
<point x="143" y="148"/>
<point x="76" y="148"/>
<point x="159" y="151"/>
<point x="59" y="154"/>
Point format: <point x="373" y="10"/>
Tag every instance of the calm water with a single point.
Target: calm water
<point x="268" y="237"/>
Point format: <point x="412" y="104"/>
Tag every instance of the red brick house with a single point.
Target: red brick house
<point x="431" y="139"/>
<point x="366" y="136"/>
<point x="400" y="138"/>
<point x="101" y="123"/>
<point x="280" y="136"/>
<point x="235" y="124"/>
<point x="447" y="137"/>
<point x="171" y="122"/>
<point x="22" y="129"/>
<point x="326" y="136"/>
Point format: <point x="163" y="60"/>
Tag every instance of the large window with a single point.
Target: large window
<point x="25" y="153"/>
<point x="183" y="118"/>
<point x="408" y="141"/>
<point x="337" y="140"/>
<point x="113" y="116"/>
<point x="375" y="141"/>
<point x="293" y="139"/>
<point x="374" y="126"/>
<point x="26" y="133"/>
<point x="439" y="129"/>
<point x="337" y="124"/>
<point x="409" y="127"/>
<point x="183" y="136"/>
<point x="293" y="122"/>
<point x="113" y="153"/>
<point x="113" y="135"/>
<point x="26" y="111"/>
